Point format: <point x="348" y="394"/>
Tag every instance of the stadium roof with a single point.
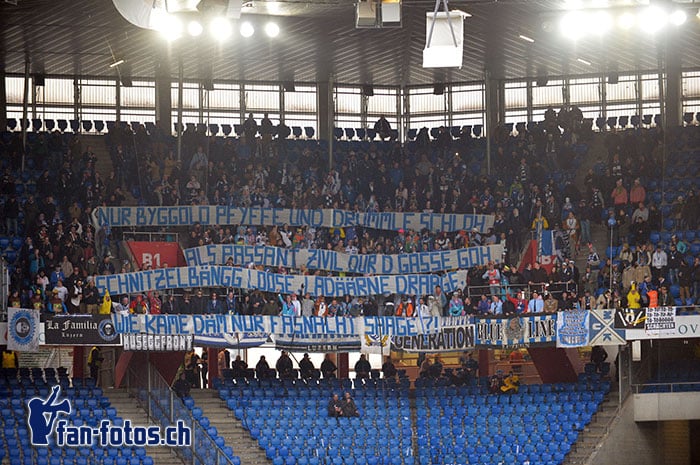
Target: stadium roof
<point x="83" y="37"/>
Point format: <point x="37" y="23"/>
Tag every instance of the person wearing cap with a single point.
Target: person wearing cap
<point x="306" y="367"/>
<point x="633" y="297"/>
<point x="56" y="305"/>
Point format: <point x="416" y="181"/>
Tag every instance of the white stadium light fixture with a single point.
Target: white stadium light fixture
<point x="652" y="19"/>
<point x="573" y="25"/>
<point x="526" y="38"/>
<point x="220" y="28"/>
<point x="678" y="17"/>
<point x="247" y="29"/>
<point x="170" y="26"/>
<point x="626" y="21"/>
<point x="585" y="62"/>
<point x="194" y="28"/>
<point x="272" y="29"/>
<point x="600" y="22"/>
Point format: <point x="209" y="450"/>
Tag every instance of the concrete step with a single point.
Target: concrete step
<point x="127" y="408"/>
<point x="229" y="428"/>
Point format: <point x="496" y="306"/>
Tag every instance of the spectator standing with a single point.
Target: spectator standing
<point x="284" y="366"/>
<point x="362" y="367"/>
<point x="328" y="368"/>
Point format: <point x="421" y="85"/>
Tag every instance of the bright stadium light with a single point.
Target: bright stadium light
<point x="194" y="28"/>
<point x="626" y="21"/>
<point x="573" y="25"/>
<point x="678" y="17"/>
<point x="272" y="29"/>
<point x="169" y="26"/>
<point x="652" y="19"/>
<point x="600" y="22"/>
<point x="247" y="29"/>
<point x="220" y="28"/>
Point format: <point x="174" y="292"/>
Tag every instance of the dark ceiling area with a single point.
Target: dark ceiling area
<point x="319" y="40"/>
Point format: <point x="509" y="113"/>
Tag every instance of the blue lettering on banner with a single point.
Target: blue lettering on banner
<point x="241" y="278"/>
<point x="207" y="325"/>
<point x="329" y="260"/>
<point x="258" y="216"/>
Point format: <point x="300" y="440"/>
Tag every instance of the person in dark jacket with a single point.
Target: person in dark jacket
<point x="335" y="408"/>
<point x="262" y="369"/>
<point x="349" y="408"/>
<point x="284" y="366"/>
<point x="362" y="367"/>
<point x="328" y="368"/>
<point x="306" y="367"/>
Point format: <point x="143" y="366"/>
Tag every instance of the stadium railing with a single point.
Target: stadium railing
<point x="163" y="406"/>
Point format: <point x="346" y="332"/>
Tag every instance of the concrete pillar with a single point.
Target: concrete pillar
<point x="325" y="112"/>
<point x="672" y="68"/>
<point x="3" y="101"/>
<point x="164" y="102"/>
<point x="343" y="363"/>
<point x="495" y="112"/>
<point x="79" y="361"/>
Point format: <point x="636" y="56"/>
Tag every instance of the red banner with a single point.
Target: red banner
<point x="157" y="254"/>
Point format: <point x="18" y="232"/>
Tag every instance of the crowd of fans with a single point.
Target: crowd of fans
<point x="61" y="252"/>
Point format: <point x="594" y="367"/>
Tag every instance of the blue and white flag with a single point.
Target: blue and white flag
<point x="573" y="329"/>
<point x="23" y="329"/>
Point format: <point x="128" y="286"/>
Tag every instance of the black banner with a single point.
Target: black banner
<point x="80" y="330"/>
<point x="630" y="318"/>
<point x="157" y="342"/>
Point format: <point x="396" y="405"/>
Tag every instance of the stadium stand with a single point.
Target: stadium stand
<point x="89" y="407"/>
<point x="435" y="424"/>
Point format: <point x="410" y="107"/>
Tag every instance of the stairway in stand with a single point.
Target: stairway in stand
<point x="128" y="409"/>
<point x="229" y="427"/>
<point x="594" y="433"/>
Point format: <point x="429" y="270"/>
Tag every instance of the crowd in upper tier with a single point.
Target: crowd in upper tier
<point x="51" y="244"/>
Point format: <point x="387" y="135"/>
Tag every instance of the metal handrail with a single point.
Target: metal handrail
<point x="638" y="387"/>
<point x="156" y="383"/>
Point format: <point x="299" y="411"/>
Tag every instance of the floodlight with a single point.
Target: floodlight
<point x="220" y="28"/>
<point x="573" y="25"/>
<point x="678" y="17"/>
<point x="652" y="19"/>
<point x="626" y="21"/>
<point x="247" y="29"/>
<point x="170" y="26"/>
<point x="272" y="29"/>
<point x="600" y="22"/>
<point x="194" y="28"/>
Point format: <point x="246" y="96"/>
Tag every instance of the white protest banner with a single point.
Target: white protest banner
<point x="243" y="278"/>
<point x="187" y="215"/>
<point x="287" y="326"/>
<point x="329" y="260"/>
<point x="456" y="335"/>
<point x="661" y="321"/>
<point x="573" y="329"/>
